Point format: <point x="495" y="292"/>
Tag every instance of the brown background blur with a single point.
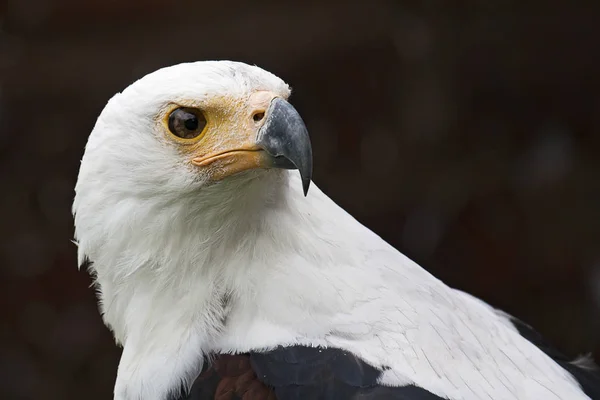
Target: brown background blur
<point x="466" y="133"/>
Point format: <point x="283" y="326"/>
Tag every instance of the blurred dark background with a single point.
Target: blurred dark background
<point x="466" y="133"/>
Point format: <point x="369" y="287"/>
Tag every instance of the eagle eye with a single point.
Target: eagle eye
<point x="186" y="123"/>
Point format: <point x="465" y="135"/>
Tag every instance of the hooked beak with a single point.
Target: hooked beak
<point x="281" y="141"/>
<point x="285" y="138"/>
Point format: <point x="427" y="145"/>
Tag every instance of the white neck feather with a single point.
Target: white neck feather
<point x="261" y="265"/>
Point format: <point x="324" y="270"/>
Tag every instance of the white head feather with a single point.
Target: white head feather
<point x="185" y="268"/>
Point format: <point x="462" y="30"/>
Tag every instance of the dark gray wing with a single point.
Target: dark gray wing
<point x="297" y="373"/>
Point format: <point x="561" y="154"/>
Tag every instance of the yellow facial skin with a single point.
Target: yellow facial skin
<point x="227" y="145"/>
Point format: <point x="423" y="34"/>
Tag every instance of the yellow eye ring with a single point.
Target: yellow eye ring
<point x="186" y="123"/>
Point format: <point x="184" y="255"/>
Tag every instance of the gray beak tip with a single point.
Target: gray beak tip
<point x="285" y="137"/>
<point x="305" y="185"/>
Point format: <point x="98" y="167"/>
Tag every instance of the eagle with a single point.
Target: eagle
<point x="223" y="276"/>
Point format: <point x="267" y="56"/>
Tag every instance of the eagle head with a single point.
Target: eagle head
<point x="180" y="144"/>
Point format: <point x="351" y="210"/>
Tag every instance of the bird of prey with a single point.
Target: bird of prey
<point x="224" y="277"/>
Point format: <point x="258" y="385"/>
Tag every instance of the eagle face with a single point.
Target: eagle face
<point x="183" y="142"/>
<point x="193" y="125"/>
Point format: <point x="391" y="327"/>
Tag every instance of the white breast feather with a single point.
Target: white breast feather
<point x="358" y="294"/>
<point x="364" y="296"/>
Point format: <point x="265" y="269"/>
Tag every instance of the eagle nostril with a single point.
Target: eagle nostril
<point x="257" y="117"/>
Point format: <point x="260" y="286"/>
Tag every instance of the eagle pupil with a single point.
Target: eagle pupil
<point x="186" y="123"/>
<point x="191" y="123"/>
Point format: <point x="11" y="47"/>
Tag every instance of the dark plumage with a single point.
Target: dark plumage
<point x="297" y="373"/>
